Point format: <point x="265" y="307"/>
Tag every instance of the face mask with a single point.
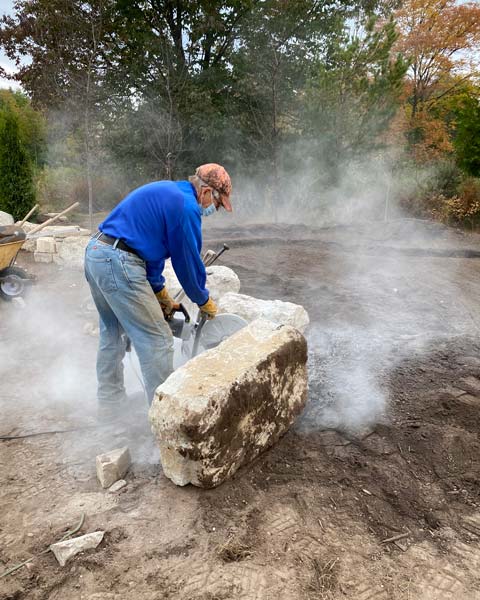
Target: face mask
<point x="210" y="210"/>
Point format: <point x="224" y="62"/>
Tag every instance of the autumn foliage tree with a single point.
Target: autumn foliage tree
<point x="438" y="37"/>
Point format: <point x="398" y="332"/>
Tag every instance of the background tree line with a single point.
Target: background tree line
<point x="293" y="97"/>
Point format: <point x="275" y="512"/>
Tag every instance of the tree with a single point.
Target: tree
<point x="17" y="195"/>
<point x="31" y="124"/>
<point x="439" y="37"/>
<point x="68" y="43"/>
<point x="467" y="135"/>
<point x="353" y="94"/>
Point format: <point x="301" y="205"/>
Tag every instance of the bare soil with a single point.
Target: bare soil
<point x="373" y="494"/>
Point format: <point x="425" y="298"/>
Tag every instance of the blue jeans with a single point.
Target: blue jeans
<point x="129" y="309"/>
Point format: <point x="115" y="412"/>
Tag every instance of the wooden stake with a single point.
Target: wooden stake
<point x="42" y="225"/>
<point x="29" y="214"/>
<point x="395" y="538"/>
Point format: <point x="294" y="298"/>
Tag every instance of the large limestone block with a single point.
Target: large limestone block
<point x="6" y="218"/>
<point x="224" y="407"/>
<point x="220" y="281"/>
<point x="71" y="252"/>
<point x="277" y="311"/>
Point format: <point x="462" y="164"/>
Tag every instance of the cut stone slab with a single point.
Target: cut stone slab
<point x="63" y="231"/>
<point x="42" y="257"/>
<point x="112" y="466"/>
<point x="223" y="408"/>
<point x="66" y="550"/>
<point x="46" y="244"/>
<point x="6" y="218"/>
<point x="277" y="311"/>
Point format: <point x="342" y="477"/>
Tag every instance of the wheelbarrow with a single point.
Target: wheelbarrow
<point x="14" y="280"/>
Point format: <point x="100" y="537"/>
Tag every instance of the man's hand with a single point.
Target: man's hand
<point x="209" y="309"/>
<point x="166" y="301"/>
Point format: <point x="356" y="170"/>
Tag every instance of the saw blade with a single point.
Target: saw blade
<point x="220" y="328"/>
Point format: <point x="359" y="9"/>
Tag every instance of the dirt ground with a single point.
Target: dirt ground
<point x="388" y="446"/>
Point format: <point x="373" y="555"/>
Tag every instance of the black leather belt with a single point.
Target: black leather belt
<point x="103" y="237"/>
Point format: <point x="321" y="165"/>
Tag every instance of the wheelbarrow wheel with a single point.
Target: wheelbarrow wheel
<point x="13" y="283"/>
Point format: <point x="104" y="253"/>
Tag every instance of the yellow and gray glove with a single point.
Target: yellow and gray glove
<point x="166" y="301"/>
<point x="209" y="309"/>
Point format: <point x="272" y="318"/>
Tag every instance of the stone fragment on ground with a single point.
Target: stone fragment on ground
<point x="117" y="486"/>
<point x="42" y="257"/>
<point x="91" y="328"/>
<point x="6" y="218"/>
<point x="112" y="466"/>
<point x="223" y="408"/>
<point x="67" y="549"/>
<point x="277" y="311"/>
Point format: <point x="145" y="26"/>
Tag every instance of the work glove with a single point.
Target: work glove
<point x="166" y="301"/>
<point x="209" y="309"/>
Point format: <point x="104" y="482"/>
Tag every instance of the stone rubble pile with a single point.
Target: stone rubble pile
<point x="63" y="245"/>
<point x="221" y="409"/>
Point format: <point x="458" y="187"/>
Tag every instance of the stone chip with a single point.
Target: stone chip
<point x="66" y="550"/>
<point x="112" y="466"/>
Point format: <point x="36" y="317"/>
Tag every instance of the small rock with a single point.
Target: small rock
<point x="64" y="551"/>
<point x="42" y="257"/>
<point x="6" y="218"/>
<point x="91" y="329"/>
<point x="112" y="466"/>
<point x="117" y="486"/>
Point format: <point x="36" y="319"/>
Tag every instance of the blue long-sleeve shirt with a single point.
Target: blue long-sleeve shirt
<point x="162" y="220"/>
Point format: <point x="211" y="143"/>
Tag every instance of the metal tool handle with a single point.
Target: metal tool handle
<point x="207" y="262"/>
<point x="216" y="256"/>
<point x="181" y="308"/>
<point x="198" y="331"/>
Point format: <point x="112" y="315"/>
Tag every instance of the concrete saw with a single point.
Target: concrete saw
<point x="220" y="328"/>
<point x="202" y="335"/>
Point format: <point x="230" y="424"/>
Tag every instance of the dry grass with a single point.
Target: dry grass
<point x="323" y="579"/>
<point x="234" y="550"/>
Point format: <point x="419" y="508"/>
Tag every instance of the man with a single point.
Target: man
<point x="124" y="262"/>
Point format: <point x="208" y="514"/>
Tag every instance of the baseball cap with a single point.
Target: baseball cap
<point x="217" y="178"/>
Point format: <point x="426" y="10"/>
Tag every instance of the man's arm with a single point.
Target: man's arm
<point x="155" y="274"/>
<point x="185" y="243"/>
